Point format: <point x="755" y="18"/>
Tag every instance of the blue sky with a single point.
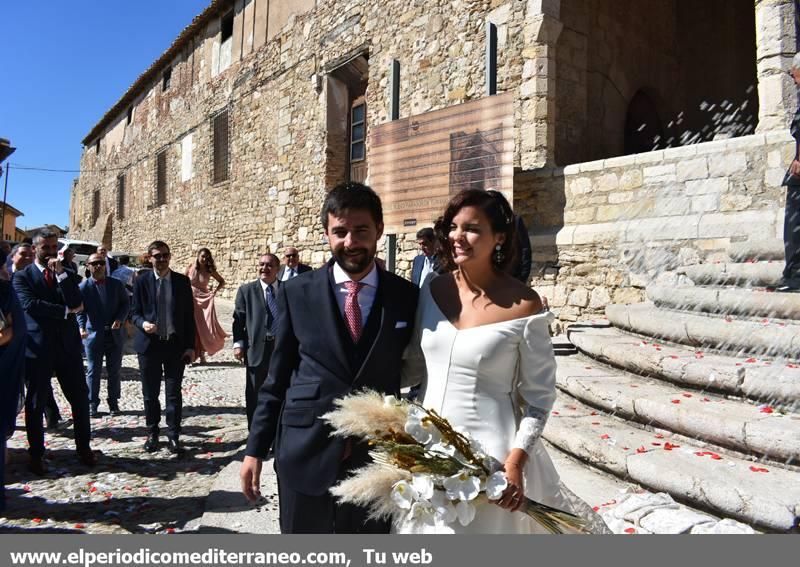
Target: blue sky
<point x="64" y="64"/>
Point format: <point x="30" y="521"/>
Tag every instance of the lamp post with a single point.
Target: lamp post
<point x="5" y="150"/>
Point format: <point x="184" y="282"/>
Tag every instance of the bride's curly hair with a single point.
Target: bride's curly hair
<point x="501" y="218"/>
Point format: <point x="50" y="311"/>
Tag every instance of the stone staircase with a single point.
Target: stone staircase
<point x="695" y="393"/>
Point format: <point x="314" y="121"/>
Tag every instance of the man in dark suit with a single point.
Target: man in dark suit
<point x="254" y="323"/>
<point x="105" y="308"/>
<point x="163" y="313"/>
<point x="292" y="268"/>
<point x="50" y="299"/>
<point x="341" y="328"/>
<point x="425" y="263"/>
<point x="111" y="263"/>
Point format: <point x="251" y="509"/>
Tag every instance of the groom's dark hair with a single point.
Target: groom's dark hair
<point x="348" y="196"/>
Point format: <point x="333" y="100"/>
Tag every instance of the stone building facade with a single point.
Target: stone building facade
<point x="645" y="134"/>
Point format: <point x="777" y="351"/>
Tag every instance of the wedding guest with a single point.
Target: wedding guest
<point x="790" y="282"/>
<point x="163" y="312"/>
<point x="106" y="307"/>
<point x="12" y="364"/>
<point x="210" y="336"/>
<point x="292" y="268"/>
<point x="255" y="319"/>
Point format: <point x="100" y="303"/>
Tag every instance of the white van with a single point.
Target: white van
<point x="83" y="249"/>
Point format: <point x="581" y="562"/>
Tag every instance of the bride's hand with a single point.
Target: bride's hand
<point x="513" y="497"/>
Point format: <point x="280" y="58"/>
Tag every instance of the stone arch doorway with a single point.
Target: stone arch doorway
<point x="644" y="130"/>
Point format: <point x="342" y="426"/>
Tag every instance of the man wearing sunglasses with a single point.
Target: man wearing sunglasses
<point x="105" y="308"/>
<point x="292" y="267"/>
<point x="163" y="313"/>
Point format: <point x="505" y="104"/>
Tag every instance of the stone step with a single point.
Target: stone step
<point x="756" y="250"/>
<point x="772" y="381"/>
<point x="727" y="334"/>
<point x="763" y="496"/>
<point x="756" y="274"/>
<point x="743" y="427"/>
<point x="748" y="302"/>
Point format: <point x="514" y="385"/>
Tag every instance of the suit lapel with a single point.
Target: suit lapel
<point x="328" y="309"/>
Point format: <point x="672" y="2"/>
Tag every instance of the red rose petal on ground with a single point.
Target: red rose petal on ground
<point x="658" y="348"/>
<point x="791" y="366"/>
<point x="669" y="446"/>
<point x="641" y="450"/>
<point x="705" y="400"/>
<point x="716" y="457"/>
<point x="659" y="436"/>
<point x="37" y="520"/>
<point x="728" y="319"/>
<point x="587" y="367"/>
<point x="676" y="401"/>
<point x="573" y="408"/>
<point x="656" y="444"/>
<point x="700" y="453"/>
<point x="630" y="530"/>
<point x="604" y="436"/>
<point x="93" y="489"/>
<point x="625" y="448"/>
<point x="170" y="530"/>
<point x="107" y="494"/>
<point x="144" y="489"/>
<point x="27" y="488"/>
<point x="634" y="386"/>
<point x="750" y="360"/>
<point x="767" y="409"/>
<point x="79" y="526"/>
<point x="685" y="395"/>
<point x="595" y="423"/>
<point x="673" y="356"/>
<point x="554" y="412"/>
<point x="593" y="413"/>
<point x="218" y="440"/>
<point x="595" y="508"/>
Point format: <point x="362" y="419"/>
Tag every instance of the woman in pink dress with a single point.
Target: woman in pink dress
<point x="210" y="337"/>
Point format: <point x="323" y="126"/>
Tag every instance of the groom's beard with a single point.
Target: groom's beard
<point x="355" y="261"/>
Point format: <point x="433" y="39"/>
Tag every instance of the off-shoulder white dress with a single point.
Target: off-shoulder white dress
<point x="497" y="381"/>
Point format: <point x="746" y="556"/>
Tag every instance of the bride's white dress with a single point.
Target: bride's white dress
<point x="486" y="379"/>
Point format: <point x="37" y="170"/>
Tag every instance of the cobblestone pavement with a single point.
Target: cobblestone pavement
<point x="131" y="491"/>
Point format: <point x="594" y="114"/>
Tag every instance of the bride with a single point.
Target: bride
<point x="482" y="351"/>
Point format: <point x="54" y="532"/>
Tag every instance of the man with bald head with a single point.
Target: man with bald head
<point x="254" y="318"/>
<point x="292" y="267"/>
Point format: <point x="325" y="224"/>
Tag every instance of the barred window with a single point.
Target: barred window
<point x="121" y="197"/>
<point x="220" y="146"/>
<point x="161" y="178"/>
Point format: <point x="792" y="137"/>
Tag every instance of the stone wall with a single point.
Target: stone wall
<point x="277" y="108"/>
<point x="603" y="230"/>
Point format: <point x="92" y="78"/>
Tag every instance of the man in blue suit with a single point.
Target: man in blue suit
<point x="426" y="262"/>
<point x="163" y="313"/>
<point x="50" y="299"/>
<point x="105" y="308"/>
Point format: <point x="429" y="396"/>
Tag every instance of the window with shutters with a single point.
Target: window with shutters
<point x="95" y="206"/>
<point x="221" y="155"/>
<point x="161" y="178"/>
<point x="121" y="197"/>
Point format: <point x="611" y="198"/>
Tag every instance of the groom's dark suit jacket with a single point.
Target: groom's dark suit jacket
<point x="316" y="362"/>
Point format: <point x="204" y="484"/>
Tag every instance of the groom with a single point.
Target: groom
<point x="341" y="328"/>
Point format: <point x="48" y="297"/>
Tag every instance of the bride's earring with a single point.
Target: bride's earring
<point x="498" y="256"/>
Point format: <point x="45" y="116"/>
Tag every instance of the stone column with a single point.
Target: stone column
<point x="776" y="44"/>
<point x="537" y="91"/>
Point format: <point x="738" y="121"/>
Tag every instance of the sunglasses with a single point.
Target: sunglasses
<point x="96" y="263"/>
<point x="164" y="256"/>
<point x="291" y="255"/>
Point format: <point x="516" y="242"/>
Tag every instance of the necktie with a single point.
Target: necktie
<point x="161" y="310"/>
<point x="352" y="311"/>
<point x="48" y="278"/>
<point x="291" y="273"/>
<point x="272" y="309"/>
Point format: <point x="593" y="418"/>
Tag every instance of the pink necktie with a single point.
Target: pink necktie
<point x="352" y="311"/>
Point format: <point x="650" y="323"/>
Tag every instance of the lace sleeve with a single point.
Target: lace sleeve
<point x="536" y="381"/>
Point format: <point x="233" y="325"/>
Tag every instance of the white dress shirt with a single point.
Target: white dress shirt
<point x="366" y="297"/>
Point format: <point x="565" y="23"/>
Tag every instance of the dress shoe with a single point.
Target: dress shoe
<point x="113" y="409"/>
<point x="37" y="466"/>
<point x="52" y="422"/>
<point x="87" y="457"/>
<point x="94" y="411"/>
<point x="151" y="445"/>
<point x="175" y="446"/>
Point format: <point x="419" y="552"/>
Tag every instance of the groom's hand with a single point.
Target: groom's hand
<point x="250" y="475"/>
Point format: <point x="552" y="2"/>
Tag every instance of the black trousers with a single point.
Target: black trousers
<point x="163" y="360"/>
<point x="68" y="367"/>
<point x="306" y="514"/>
<point x="791" y="235"/>
<point x="255" y="378"/>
